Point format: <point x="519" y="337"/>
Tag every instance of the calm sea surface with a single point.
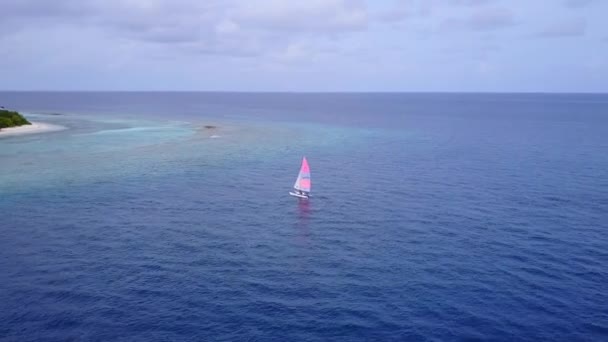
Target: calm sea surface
<point x="435" y="217"/>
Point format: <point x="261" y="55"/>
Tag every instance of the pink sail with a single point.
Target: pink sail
<point x="303" y="182"/>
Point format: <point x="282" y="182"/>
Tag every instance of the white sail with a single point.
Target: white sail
<point x="303" y="181"/>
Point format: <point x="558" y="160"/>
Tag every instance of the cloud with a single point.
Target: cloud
<point x="310" y="15"/>
<point x="155" y="41"/>
<point x="393" y="15"/>
<point x="567" y="28"/>
<point x="577" y="3"/>
<point x="230" y="27"/>
<point x="471" y="2"/>
<point x="481" y="20"/>
<point x="40" y="9"/>
<point x="483" y="49"/>
<point x="403" y="9"/>
<point x="148" y="17"/>
<point x="227" y="27"/>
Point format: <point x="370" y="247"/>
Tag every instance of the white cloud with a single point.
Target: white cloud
<point x="577" y="3"/>
<point x="227" y="26"/>
<point x="169" y="37"/>
<point x="311" y="15"/>
<point x="565" y="28"/>
<point x="481" y="20"/>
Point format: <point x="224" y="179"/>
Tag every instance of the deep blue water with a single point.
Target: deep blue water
<point x="435" y="217"/>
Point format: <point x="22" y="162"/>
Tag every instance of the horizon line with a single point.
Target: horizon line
<point x="308" y="92"/>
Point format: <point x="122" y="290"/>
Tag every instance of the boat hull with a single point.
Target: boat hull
<point x="295" y="194"/>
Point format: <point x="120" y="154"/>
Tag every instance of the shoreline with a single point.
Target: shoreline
<point x="34" y="128"/>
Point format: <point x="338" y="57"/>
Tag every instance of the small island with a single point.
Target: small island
<point x="13" y="124"/>
<point x="11" y="119"/>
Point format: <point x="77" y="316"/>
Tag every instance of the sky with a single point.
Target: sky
<point x="305" y="45"/>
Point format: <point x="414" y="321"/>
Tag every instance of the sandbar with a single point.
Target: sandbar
<point x="34" y="128"/>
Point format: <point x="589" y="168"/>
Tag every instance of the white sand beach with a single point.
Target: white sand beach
<point x="35" y="127"/>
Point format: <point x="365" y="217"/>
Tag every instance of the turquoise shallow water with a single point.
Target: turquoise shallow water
<point x="434" y="217"/>
<point x="93" y="147"/>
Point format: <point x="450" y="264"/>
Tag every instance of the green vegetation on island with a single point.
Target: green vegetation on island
<point x="11" y="119"/>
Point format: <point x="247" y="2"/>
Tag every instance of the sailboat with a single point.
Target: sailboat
<point x="302" y="185"/>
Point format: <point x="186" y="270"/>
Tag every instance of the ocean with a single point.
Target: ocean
<point x="434" y="217"/>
